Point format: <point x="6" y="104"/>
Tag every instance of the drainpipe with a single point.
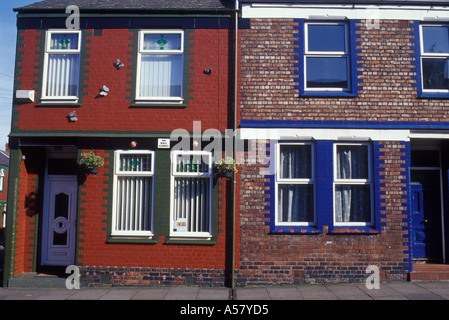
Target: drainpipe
<point x="234" y="146"/>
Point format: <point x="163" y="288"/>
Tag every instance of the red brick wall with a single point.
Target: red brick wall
<point x="209" y="93"/>
<point x="26" y="222"/>
<point x="387" y="92"/>
<point x="268" y="258"/>
<point x="96" y="256"/>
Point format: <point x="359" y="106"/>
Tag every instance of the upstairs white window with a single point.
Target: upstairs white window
<point x="191" y="194"/>
<point x="327" y="58"/>
<point x="133" y="193"/>
<point x="435" y="58"/>
<point x="353" y="184"/>
<point x="62" y="66"/>
<point x="160" y="70"/>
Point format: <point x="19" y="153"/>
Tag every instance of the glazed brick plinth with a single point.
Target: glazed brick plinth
<point x="141" y="276"/>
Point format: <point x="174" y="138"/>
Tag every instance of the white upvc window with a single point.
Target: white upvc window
<point x="295" y="184"/>
<point x="434" y="46"/>
<point x="353" y="184"/>
<point x="191" y="194"/>
<point x="326" y="56"/>
<point x="61" y="74"/>
<point x="133" y="193"/>
<point x="160" y="66"/>
<point x="2" y="179"/>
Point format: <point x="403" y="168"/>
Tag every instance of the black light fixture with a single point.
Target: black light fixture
<point x="208" y="71"/>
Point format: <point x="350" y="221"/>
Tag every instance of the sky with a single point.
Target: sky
<point x="8" y="38"/>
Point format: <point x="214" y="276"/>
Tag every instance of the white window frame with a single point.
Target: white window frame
<point x="117" y="174"/>
<point x="205" y="175"/>
<point x="141" y="51"/>
<point x="368" y="181"/>
<point x="434" y="55"/>
<point x="327" y="54"/>
<point x="2" y="179"/>
<point x="303" y="181"/>
<point x="48" y="52"/>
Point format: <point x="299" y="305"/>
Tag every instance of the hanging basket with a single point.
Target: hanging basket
<point x="90" y="162"/>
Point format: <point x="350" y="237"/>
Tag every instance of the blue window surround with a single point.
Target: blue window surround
<point x="324" y="192"/>
<point x="415" y="41"/>
<point x="300" y="51"/>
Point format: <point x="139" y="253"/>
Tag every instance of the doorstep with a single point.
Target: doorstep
<point x="36" y="280"/>
<point x="430" y="272"/>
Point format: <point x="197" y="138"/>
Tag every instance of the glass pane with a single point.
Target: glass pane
<point x="353" y="203"/>
<point x="425" y="158"/>
<point x="192" y="163"/>
<point x="192" y="205"/>
<point x="161" y="76"/>
<point x="296" y="203"/>
<point x="435" y="39"/>
<point x="135" y="162"/>
<point x="62" y="205"/>
<point x="64" y="41"/>
<point x="134" y="196"/>
<point x="63" y="75"/>
<point x="435" y="74"/>
<point x="326" y="38"/>
<point x="352" y="162"/>
<point x="162" y="41"/>
<point x="60" y="239"/>
<point x="327" y="73"/>
<point x="296" y="162"/>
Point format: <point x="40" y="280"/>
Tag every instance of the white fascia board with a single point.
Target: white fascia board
<point x="324" y="134"/>
<point x="315" y="11"/>
<point x="429" y="135"/>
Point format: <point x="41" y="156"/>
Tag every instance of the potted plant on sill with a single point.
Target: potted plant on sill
<point x="90" y="162"/>
<point x="224" y="168"/>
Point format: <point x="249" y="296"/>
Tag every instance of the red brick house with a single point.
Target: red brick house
<point x="346" y="106"/>
<point x="118" y="83"/>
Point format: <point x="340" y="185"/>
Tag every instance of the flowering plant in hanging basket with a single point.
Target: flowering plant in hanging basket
<point x="90" y="162"/>
<point x="224" y="168"/>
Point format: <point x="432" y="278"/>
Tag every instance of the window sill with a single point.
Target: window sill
<point x="328" y="94"/>
<point x="157" y="104"/>
<point x="353" y="230"/>
<point x="131" y="240"/>
<point x="433" y="95"/>
<point x="295" y="230"/>
<point x="58" y="104"/>
<point x="192" y="241"/>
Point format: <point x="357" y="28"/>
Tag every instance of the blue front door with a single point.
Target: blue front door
<point x="426" y="215"/>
